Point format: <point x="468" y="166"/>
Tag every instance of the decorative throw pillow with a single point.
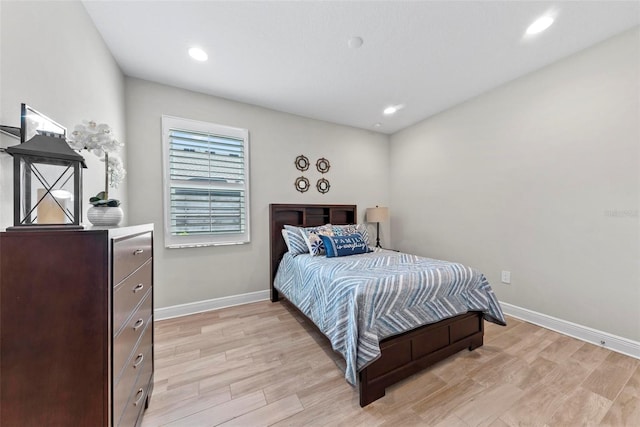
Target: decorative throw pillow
<point x="312" y="235"/>
<point x="344" y="230"/>
<point x="362" y="229"/>
<point x="351" y="244"/>
<point x="294" y="240"/>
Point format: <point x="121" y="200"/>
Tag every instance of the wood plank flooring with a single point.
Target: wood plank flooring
<point x="260" y="365"/>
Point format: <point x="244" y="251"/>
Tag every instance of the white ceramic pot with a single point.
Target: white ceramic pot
<point x="105" y="215"/>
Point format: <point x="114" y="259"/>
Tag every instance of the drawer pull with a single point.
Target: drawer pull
<point x="138" y="251"/>
<point x="139" y="360"/>
<point x="138" y="287"/>
<point x="141" y="393"/>
<point x="139" y="323"/>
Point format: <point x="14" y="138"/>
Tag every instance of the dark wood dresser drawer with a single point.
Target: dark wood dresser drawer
<point x="128" y="294"/>
<point x="129" y="254"/>
<point x="125" y="342"/>
<point x="136" y="403"/>
<point x="140" y="358"/>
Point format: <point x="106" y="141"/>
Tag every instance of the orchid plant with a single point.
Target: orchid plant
<point x="99" y="140"/>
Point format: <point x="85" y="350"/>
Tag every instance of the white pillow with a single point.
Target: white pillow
<point x="294" y="240"/>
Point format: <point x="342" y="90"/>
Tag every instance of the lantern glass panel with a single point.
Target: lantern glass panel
<point x="47" y="192"/>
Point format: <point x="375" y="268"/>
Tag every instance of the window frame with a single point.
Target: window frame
<point x="189" y="241"/>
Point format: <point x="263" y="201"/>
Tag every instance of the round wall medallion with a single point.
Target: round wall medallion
<point x="302" y="184"/>
<point x="302" y="163"/>
<point x="323" y="185"/>
<point x="323" y="165"/>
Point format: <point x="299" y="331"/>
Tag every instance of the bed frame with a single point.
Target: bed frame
<point x="402" y="355"/>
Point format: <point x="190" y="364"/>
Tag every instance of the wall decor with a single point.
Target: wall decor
<point x="302" y="163"/>
<point x="323" y="165"/>
<point x="34" y="123"/>
<point x="47" y="174"/>
<point x="47" y="184"/>
<point x="100" y="140"/>
<point x="11" y="131"/>
<point x="302" y="184"/>
<point x="323" y="186"/>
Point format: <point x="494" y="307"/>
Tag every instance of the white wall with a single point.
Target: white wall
<point x="359" y="174"/>
<point x="53" y="59"/>
<point x="539" y="177"/>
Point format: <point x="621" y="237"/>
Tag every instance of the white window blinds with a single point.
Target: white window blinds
<point x="206" y="177"/>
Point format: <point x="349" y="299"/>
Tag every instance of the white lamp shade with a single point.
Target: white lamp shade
<point x="377" y="214"/>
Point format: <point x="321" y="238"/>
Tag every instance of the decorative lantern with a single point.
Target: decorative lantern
<point x="47" y="184"/>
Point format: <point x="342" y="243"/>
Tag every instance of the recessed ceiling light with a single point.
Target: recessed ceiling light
<point x="392" y="109"/>
<point x="198" y="54"/>
<point x="355" y="42"/>
<point x="540" y="24"/>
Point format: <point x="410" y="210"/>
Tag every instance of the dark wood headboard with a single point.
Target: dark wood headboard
<point x="301" y="216"/>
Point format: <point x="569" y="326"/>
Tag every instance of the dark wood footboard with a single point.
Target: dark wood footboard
<point x="411" y="352"/>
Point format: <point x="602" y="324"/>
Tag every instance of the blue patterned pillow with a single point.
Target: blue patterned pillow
<point x="351" y="244"/>
<point x="344" y="230"/>
<point x="294" y="240"/>
<point x="312" y="235"/>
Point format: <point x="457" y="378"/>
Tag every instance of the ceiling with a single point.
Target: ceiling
<point x="294" y="56"/>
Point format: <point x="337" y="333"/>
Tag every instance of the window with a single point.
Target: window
<point x="206" y="176"/>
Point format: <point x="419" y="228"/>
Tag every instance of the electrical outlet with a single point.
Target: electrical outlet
<point x="506" y="277"/>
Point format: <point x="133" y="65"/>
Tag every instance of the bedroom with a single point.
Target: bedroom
<point x="561" y="217"/>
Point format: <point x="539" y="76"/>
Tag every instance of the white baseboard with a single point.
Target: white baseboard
<point x="208" y="305"/>
<point x="584" y="333"/>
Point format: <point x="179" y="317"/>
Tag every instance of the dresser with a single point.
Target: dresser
<point x="76" y="326"/>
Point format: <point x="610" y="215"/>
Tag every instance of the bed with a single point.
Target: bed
<point x="340" y="295"/>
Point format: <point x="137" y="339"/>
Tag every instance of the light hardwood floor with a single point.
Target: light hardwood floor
<point x="260" y="364"/>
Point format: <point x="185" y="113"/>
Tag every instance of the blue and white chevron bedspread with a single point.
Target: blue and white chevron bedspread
<point x="358" y="300"/>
